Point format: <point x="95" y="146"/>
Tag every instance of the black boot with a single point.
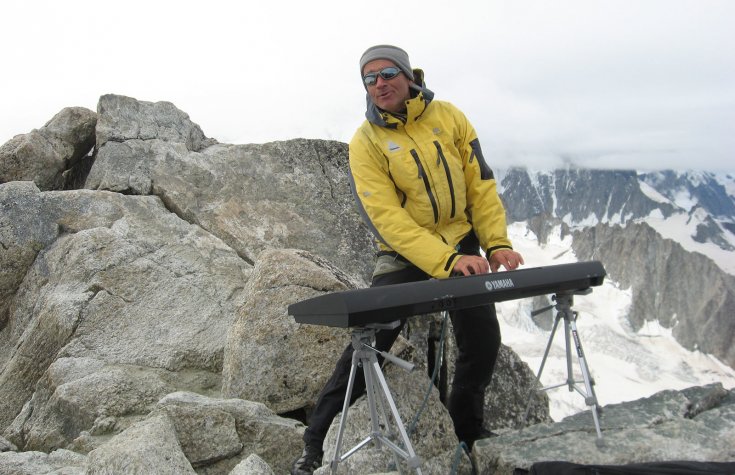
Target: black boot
<point x="310" y="460"/>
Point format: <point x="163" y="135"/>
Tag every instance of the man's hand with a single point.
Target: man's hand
<point x="507" y="258"/>
<point x="467" y="265"/>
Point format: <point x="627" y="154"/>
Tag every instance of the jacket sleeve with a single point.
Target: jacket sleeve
<point x="483" y="202"/>
<point x="379" y="202"/>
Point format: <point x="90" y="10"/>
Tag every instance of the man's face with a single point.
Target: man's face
<point x="391" y="94"/>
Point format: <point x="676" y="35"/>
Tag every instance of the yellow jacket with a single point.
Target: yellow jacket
<point x="422" y="183"/>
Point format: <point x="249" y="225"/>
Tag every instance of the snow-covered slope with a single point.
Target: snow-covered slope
<point x="705" y="213"/>
<point x="682" y="227"/>
<point x="626" y="365"/>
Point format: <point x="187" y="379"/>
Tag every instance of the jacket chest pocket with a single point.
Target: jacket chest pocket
<point x="409" y="175"/>
<point x="427" y="178"/>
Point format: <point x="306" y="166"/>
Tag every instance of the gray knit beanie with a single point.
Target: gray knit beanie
<point x="391" y="53"/>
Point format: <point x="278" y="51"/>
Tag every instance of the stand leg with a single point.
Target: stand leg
<point x="540" y="370"/>
<point x="371" y="397"/>
<point x="343" y="417"/>
<point x="410" y="456"/>
<point x="589" y="394"/>
<point x="365" y="356"/>
<point x="375" y="416"/>
<point x="568" y="351"/>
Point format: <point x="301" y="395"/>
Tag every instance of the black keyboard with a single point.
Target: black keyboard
<point x="361" y="307"/>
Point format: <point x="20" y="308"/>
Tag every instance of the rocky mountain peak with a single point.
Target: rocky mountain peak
<point x="144" y="282"/>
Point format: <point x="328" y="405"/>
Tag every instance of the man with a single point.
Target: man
<point x="422" y="185"/>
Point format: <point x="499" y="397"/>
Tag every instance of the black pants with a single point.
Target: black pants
<point x="478" y="340"/>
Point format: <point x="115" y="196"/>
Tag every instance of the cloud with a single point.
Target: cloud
<point x="600" y="83"/>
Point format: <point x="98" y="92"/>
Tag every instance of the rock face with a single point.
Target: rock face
<point x="260" y="363"/>
<point x="124" y="282"/>
<point x="697" y="424"/>
<point x="578" y="195"/>
<point x="143" y="313"/>
<point x="253" y="197"/>
<point x="44" y="155"/>
<point x="699" y="310"/>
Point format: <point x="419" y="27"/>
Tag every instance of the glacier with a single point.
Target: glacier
<point x="625" y="365"/>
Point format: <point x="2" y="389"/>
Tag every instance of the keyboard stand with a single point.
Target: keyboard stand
<point x="366" y="357"/>
<point x="564" y="301"/>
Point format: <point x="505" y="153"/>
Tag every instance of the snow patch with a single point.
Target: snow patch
<point x="681" y="227"/>
<point x="652" y="193"/>
<point x="684" y="200"/>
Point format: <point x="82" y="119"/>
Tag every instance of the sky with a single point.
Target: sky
<point x="641" y="84"/>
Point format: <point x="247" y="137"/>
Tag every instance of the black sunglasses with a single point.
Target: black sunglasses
<point x="386" y="73"/>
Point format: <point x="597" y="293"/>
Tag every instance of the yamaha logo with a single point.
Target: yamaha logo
<point x="499" y="284"/>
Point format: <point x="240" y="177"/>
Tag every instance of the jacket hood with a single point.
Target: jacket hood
<point x="374" y="114"/>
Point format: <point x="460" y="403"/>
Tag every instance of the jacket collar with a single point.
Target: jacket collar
<point x="420" y="99"/>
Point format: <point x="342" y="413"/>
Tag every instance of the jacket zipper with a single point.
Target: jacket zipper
<point x="425" y="178"/>
<point x="443" y="160"/>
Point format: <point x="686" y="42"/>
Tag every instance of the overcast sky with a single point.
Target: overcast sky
<point x="645" y="84"/>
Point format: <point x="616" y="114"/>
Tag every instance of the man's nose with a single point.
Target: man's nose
<point x="379" y="81"/>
